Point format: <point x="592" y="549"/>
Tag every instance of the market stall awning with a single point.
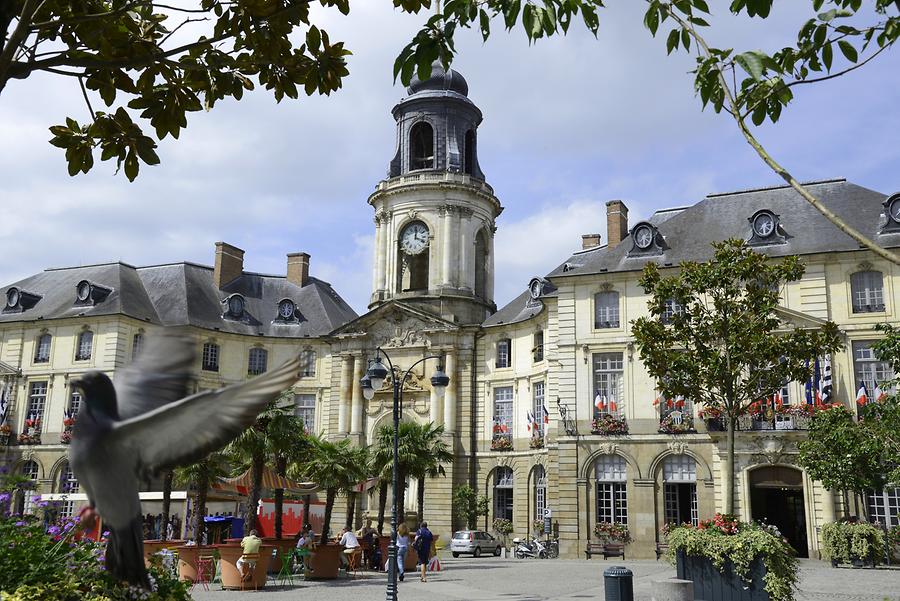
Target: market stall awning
<point x="270" y="481"/>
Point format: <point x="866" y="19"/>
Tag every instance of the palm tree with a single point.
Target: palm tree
<point x="276" y="436"/>
<point x="434" y="453"/>
<point x="200" y="477"/>
<point x="363" y="463"/>
<point x="333" y="466"/>
<point x="166" y="503"/>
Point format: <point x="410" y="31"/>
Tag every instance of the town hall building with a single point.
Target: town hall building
<point x="549" y="407"/>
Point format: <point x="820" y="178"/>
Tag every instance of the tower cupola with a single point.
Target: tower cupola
<point x="437" y="126"/>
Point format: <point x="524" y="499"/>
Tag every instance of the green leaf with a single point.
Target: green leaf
<point x="827" y="56"/>
<point x="131" y="166"/>
<point x="485" y="25"/>
<point x="651" y="18"/>
<point x="751" y="63"/>
<point x="672" y="41"/>
<point x="848" y="51"/>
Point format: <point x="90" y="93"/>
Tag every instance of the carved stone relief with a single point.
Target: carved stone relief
<point x="772" y="450"/>
<point x="677" y="447"/>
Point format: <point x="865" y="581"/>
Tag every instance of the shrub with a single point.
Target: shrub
<point x="503" y="526"/>
<point x="844" y="542"/>
<point x="724" y="539"/>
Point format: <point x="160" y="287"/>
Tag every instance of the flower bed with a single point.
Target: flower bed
<point x="733" y="545"/>
<point x="501" y="443"/>
<point x="859" y="543"/>
<point x="609" y="424"/>
<point x="613" y="532"/>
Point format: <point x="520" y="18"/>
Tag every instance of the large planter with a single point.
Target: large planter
<point x="712" y="585"/>
<point x="188" y="557"/>
<point x="325" y="561"/>
<point x="153" y="546"/>
<point x="411" y="557"/>
<point x="284" y="546"/>
<point x="231" y="576"/>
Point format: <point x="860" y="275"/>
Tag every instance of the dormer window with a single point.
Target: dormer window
<point x="234" y="307"/>
<point x="646" y="240"/>
<point x="88" y="293"/>
<point x="891" y="214"/>
<point x="765" y="228"/>
<point x="17" y="300"/>
<point x="286" y="310"/>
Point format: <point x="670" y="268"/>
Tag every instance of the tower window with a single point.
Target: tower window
<point x="469" y="150"/>
<point x="421" y="145"/>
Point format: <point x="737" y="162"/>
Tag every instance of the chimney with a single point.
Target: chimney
<point x="229" y="264"/>
<point x="616" y="222"/>
<point x="298" y="268"/>
<point x="590" y="241"/>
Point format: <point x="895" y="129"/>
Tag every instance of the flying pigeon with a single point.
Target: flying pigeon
<point x="142" y="425"/>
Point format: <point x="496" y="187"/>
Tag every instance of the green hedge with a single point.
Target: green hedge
<point x="845" y="541"/>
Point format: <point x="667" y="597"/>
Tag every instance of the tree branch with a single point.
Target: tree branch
<point x="19" y="34"/>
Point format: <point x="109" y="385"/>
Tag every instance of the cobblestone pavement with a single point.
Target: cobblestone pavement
<point x="490" y="579"/>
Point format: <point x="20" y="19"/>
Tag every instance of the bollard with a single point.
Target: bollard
<point x="617" y="584"/>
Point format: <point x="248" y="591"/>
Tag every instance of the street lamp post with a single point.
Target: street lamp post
<point x="371" y="382"/>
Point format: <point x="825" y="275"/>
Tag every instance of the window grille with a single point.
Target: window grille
<point x="540" y="492"/>
<point x="671" y="309"/>
<point x="37" y="400"/>
<point x="137" y="345"/>
<point x="679" y="468"/>
<point x="29" y="470"/>
<point x="42" y="350"/>
<point x="868" y="369"/>
<point x="257" y="362"/>
<point x="884" y="506"/>
<point x="867" y="291"/>
<point x="608" y="384"/>
<point x="210" y="357"/>
<point x="68" y="484"/>
<point x="503" y="493"/>
<point x="308" y="363"/>
<point x="606" y="310"/>
<point x="503" y="410"/>
<point x="611" y="473"/>
<point x="85" y="346"/>
<point x="305" y="409"/>
<point x="504" y="353"/>
<point x="75" y="403"/>
<point x="537" y="390"/>
<point x="538" y="346"/>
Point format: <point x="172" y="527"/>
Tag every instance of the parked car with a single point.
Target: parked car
<point x="476" y="542"/>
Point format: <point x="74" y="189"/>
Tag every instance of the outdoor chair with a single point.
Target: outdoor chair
<point x="206" y="571"/>
<point x="286" y="574"/>
<point x="354" y="562"/>
<point x="249" y="564"/>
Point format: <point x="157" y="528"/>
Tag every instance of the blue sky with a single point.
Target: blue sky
<point x="569" y="124"/>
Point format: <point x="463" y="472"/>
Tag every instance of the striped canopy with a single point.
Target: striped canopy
<point x="270" y="481"/>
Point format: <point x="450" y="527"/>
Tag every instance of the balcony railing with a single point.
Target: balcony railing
<point x="749" y="423"/>
<point x="433" y="177"/>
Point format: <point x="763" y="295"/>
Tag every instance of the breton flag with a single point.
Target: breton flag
<point x="600" y="402"/>
<point x="546" y="413"/>
<point x="4" y="402"/>
<point x="817" y="382"/>
<point x="861" y="395"/>
<point x="826" y="384"/>
<point x="879" y="393"/>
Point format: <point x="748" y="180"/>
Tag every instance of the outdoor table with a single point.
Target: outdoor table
<point x="231" y="576"/>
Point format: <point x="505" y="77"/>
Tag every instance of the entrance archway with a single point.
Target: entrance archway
<point x="776" y="497"/>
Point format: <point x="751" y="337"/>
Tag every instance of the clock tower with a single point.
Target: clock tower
<point x="434" y="213"/>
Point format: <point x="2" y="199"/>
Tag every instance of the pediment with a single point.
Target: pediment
<point x="395" y="324"/>
<point x="798" y="319"/>
<point x="8" y="370"/>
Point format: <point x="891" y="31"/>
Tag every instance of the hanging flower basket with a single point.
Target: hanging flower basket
<point x="537" y="442"/>
<point x="613" y="532"/>
<point x="609" y="424"/>
<point x="668" y="425"/>
<point x="65" y="437"/>
<point x="501" y="443"/>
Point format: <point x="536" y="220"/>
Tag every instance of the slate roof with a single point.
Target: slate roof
<point x="689" y="232"/>
<point x="184" y="294"/>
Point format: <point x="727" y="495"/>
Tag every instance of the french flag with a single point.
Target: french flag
<point x="879" y="393"/>
<point x="861" y="395"/>
<point x="546" y="414"/>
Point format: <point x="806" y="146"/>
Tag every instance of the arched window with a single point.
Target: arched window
<point x="503" y="493"/>
<point x="867" y="291"/>
<point x="25" y="503"/>
<point x="68" y="484"/>
<point x="540" y="492"/>
<point x="606" y="310"/>
<point x="210" y="357"/>
<point x="257" y="362"/>
<point x="680" y="489"/>
<point x="42" y="348"/>
<point x="85" y="346"/>
<point x="469" y="150"/>
<point x="421" y="146"/>
<point x="481" y="267"/>
<point x="137" y="345"/>
<point x="611" y="474"/>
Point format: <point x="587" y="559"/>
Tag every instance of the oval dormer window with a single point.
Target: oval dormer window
<point x="13" y="296"/>
<point x="286" y="309"/>
<point x="83" y="290"/>
<point x="235" y="305"/>
<point x="764" y="224"/>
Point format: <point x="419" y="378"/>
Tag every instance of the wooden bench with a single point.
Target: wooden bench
<point x="604" y="549"/>
<point x="661" y="549"/>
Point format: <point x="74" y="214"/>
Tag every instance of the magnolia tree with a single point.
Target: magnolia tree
<point x="724" y="344"/>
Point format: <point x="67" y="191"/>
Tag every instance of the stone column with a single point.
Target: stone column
<point x="357" y="406"/>
<point x="466" y="248"/>
<point x="378" y="278"/>
<point x="447" y="275"/>
<point x="449" y="416"/>
<point x="435" y="413"/>
<point x="346" y="390"/>
<point x="389" y="251"/>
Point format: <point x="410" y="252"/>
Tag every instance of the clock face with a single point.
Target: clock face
<point x="84" y="290"/>
<point x="286" y="309"/>
<point x="414" y="238"/>
<point x="764" y="225"/>
<point x="12" y="297"/>
<point x="236" y="305"/>
<point x="643" y="237"/>
<point x="536" y="288"/>
<point x="895" y="210"/>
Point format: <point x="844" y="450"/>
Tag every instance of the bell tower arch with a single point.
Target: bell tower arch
<point x="434" y="212"/>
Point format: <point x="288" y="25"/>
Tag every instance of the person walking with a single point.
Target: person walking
<point x="424" y="538"/>
<point x="402" y="549"/>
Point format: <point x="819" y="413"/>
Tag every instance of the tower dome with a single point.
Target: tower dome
<point x="440" y="80"/>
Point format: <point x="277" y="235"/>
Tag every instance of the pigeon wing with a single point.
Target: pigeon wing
<point x="159" y="375"/>
<point x="187" y="430"/>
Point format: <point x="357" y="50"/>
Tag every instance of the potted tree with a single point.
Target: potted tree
<point x="504" y="528"/>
